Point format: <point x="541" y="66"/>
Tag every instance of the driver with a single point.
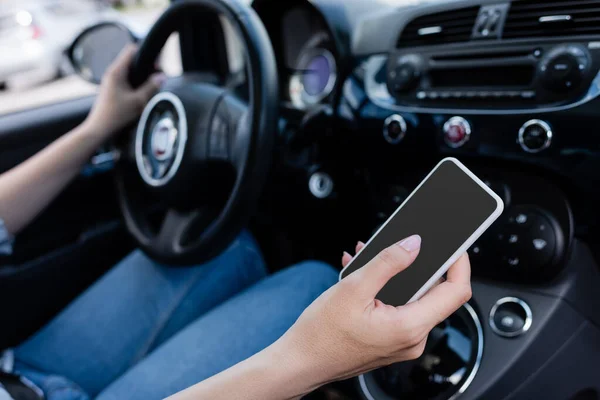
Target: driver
<point x="147" y="331"/>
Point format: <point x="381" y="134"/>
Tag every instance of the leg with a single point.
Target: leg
<point x="225" y="336"/>
<point x="130" y="311"/>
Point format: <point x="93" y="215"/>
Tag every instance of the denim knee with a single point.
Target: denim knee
<point x="318" y="274"/>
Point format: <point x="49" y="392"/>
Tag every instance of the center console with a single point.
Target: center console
<point x="512" y="90"/>
<point x="503" y="77"/>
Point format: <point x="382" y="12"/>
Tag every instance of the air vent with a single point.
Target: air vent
<point x="543" y="18"/>
<point x="441" y="28"/>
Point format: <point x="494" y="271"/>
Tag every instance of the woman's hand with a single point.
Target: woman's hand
<point x="28" y="188"/>
<point x="118" y="104"/>
<point x="344" y="333"/>
<point x="347" y="332"/>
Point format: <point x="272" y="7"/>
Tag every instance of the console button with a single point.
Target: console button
<point x="394" y="129"/>
<point x="510" y="317"/>
<point x="475" y="250"/>
<point x="528" y="241"/>
<point x="541" y="242"/>
<point x="520" y="218"/>
<point x="535" y="136"/>
<point x="512" y="263"/>
<point x="508" y="321"/>
<point x="476" y="254"/>
<point x="457" y="132"/>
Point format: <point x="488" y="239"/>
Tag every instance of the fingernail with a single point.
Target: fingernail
<point x="159" y="79"/>
<point x="346" y="254"/>
<point x="360" y="243"/>
<point x="412" y="243"/>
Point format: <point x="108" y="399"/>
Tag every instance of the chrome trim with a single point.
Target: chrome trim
<point x="107" y="159"/>
<point x="432" y="30"/>
<point x="528" y="317"/>
<point x="403" y="127"/>
<point x="458" y="121"/>
<point x="300" y="98"/>
<point x="470" y="378"/>
<point x="544" y="125"/>
<point x="139" y="138"/>
<point x="315" y="187"/>
<point x="479" y="356"/>
<point x="379" y="95"/>
<point x="555" y="18"/>
<point x="364" y="388"/>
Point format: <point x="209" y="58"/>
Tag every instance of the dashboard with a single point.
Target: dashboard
<point x="306" y="53"/>
<point x="375" y="93"/>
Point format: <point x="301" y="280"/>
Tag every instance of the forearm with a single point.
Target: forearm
<point x="276" y="373"/>
<point x="29" y="187"/>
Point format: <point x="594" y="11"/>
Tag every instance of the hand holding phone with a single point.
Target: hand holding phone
<point x="450" y="210"/>
<point x="347" y="332"/>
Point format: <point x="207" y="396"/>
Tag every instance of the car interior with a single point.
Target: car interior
<point x="310" y="123"/>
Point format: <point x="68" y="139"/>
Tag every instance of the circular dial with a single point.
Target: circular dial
<point x="405" y="75"/>
<point x="394" y="129"/>
<point x="314" y="78"/>
<point x="564" y="68"/>
<point x="535" y="135"/>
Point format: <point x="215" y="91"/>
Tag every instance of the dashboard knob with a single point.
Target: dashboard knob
<point x="394" y="129"/>
<point x="405" y="74"/>
<point x="535" y="136"/>
<point x="564" y="68"/>
<point x="457" y="132"/>
<point x="320" y="185"/>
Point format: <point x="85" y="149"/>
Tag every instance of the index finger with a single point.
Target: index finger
<point x="443" y="300"/>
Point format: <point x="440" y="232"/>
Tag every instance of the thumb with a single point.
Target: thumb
<point x="150" y="87"/>
<point x="391" y="261"/>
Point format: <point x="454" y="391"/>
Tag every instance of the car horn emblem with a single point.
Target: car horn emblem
<point x="163" y="139"/>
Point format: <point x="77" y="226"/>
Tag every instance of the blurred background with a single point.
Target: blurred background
<point x="34" y="37"/>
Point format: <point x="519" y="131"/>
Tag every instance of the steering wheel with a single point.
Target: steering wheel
<point x="202" y="150"/>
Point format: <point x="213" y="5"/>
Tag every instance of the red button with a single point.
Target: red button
<point x="456" y="131"/>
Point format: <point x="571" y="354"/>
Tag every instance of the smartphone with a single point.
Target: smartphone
<point x="450" y="210"/>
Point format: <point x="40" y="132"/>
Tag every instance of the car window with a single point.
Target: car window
<point x="34" y="37"/>
<point x="70" y="8"/>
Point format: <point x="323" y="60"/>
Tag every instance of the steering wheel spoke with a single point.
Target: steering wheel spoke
<point x="173" y="229"/>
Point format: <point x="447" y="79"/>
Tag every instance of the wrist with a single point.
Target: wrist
<point x="95" y="129"/>
<point x="295" y="372"/>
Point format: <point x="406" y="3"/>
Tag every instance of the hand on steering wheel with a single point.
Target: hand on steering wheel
<point x="202" y="150"/>
<point x="118" y="104"/>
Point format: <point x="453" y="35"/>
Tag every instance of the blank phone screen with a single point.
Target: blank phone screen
<point x="445" y="211"/>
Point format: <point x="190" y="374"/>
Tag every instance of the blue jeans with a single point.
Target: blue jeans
<point x="146" y="331"/>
